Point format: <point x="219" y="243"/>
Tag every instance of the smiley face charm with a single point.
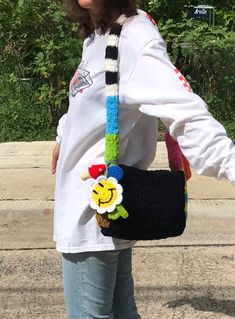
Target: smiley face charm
<point x="105" y="195"/>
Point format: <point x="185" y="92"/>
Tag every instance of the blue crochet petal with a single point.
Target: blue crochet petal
<point x="116" y="172"/>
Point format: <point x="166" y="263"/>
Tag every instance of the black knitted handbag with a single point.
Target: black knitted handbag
<point x="155" y="202"/>
<point x="132" y="203"/>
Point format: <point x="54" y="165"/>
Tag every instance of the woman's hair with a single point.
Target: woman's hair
<point x="111" y="9"/>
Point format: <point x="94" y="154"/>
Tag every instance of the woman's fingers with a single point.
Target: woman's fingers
<point x="54" y="159"/>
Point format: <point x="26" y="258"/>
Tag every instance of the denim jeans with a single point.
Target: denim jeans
<point x="99" y="285"/>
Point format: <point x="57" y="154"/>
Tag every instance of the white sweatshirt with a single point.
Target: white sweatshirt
<point x="149" y="88"/>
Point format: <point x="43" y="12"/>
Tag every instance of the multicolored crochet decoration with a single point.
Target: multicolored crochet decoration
<point x="106" y="193"/>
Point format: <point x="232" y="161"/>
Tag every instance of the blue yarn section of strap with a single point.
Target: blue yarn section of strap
<point x="112" y="103"/>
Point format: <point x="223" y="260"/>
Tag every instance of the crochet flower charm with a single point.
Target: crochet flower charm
<point x="106" y="194"/>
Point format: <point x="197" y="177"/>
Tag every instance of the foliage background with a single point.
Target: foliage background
<point x="39" y="52"/>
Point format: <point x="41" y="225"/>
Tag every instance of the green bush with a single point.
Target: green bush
<point x="204" y="54"/>
<point x="230" y="128"/>
<point x="22" y="117"/>
<point x="39" y="52"/>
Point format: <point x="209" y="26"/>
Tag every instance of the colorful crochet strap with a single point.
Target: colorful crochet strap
<point x="112" y="100"/>
<point x="176" y="159"/>
<point x="112" y="141"/>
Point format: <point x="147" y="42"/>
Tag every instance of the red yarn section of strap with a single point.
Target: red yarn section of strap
<point x="177" y="161"/>
<point x="187" y="170"/>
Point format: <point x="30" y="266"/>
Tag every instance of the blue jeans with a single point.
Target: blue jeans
<point x="99" y="285"/>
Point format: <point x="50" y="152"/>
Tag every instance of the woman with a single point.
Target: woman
<point x="96" y="269"/>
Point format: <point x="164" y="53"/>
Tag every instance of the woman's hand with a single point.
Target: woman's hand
<point x="54" y="159"/>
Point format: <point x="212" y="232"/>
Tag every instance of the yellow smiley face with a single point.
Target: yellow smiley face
<point x="106" y="193"/>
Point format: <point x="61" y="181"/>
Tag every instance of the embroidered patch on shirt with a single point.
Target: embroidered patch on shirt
<point x="80" y="81"/>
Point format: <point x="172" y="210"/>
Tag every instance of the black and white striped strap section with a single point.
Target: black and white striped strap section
<point x="111" y="57"/>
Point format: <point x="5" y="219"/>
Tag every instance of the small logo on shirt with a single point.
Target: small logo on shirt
<point x="80" y="81"/>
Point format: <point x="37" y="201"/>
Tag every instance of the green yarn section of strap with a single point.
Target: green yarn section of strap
<point x="111" y="149"/>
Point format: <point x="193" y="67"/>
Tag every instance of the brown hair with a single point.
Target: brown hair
<point x="111" y="9"/>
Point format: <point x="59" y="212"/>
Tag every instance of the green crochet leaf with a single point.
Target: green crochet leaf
<point x="119" y="212"/>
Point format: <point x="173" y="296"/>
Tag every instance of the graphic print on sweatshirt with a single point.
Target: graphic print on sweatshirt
<point x="80" y="81"/>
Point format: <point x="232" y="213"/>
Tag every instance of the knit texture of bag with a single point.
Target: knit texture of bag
<point x="155" y="202"/>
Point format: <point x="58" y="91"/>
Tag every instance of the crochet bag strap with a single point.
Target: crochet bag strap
<point x="112" y="138"/>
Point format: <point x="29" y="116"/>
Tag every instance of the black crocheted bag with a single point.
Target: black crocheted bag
<point x="155" y="202"/>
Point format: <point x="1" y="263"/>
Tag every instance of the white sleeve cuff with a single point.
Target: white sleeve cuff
<point x="228" y="170"/>
<point x="60" y="128"/>
<point x="58" y="139"/>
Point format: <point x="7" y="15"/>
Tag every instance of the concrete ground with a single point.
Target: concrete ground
<point x="187" y="277"/>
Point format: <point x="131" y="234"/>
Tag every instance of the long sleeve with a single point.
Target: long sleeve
<point x="163" y="92"/>
<point x="60" y="128"/>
